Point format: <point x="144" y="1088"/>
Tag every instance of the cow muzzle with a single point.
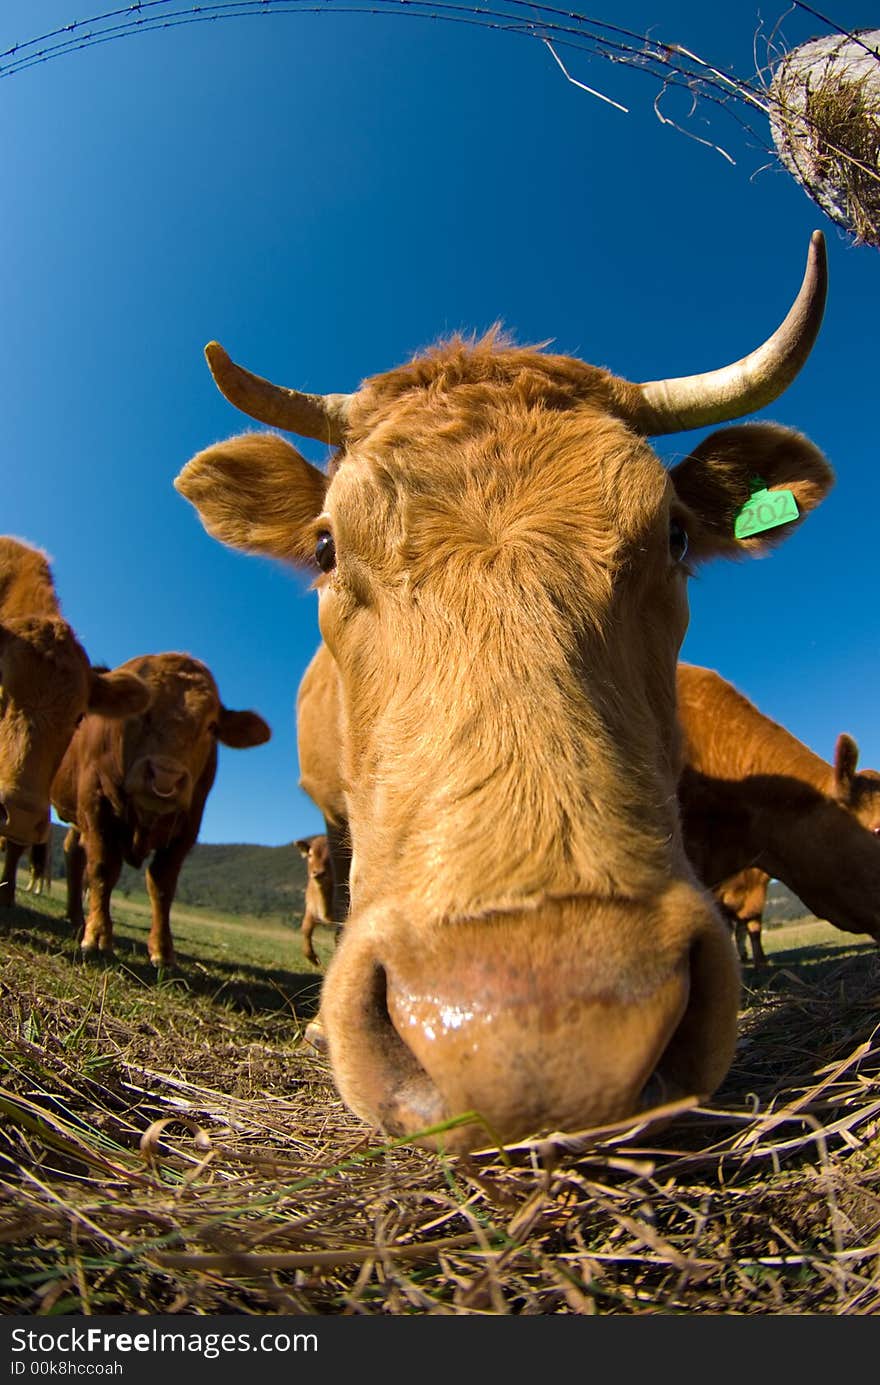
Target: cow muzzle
<point x="159" y="784"/>
<point x="567" y="1017"/>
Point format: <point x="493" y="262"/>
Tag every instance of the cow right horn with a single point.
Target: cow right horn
<point x="696" y="401"/>
<point x="320" y="416"/>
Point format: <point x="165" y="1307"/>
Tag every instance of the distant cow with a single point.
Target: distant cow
<point x="138" y="788"/>
<point x="753" y="795"/>
<point x="742" y="899"/>
<point x="46" y="687"/>
<point x="502" y="587"/>
<point x="319" y="889"/>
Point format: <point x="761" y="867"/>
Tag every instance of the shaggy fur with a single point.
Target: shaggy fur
<point x="504" y="619"/>
<point x="140" y="788"/>
<point x="46" y="687"/>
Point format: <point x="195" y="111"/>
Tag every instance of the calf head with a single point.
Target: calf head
<point x="316" y="853"/>
<point x="46" y="688"/>
<point x="501" y="565"/>
<point x="170" y="752"/>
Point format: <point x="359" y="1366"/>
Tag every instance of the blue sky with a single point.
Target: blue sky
<point x="325" y="194"/>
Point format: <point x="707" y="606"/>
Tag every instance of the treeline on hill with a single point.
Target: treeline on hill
<point x="234" y="878"/>
<point x="270" y="881"/>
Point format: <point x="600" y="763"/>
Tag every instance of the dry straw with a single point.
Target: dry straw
<point x="825" y="121"/>
<point x="168" y="1150"/>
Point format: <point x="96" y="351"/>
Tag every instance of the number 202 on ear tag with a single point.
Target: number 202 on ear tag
<point x="764" y="510"/>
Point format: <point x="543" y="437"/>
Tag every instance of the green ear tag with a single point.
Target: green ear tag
<point x="764" y="510"/>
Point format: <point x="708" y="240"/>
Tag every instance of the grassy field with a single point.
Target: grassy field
<point x="170" y="1145"/>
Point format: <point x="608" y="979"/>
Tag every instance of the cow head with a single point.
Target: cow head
<point x="170" y="752"/>
<point x="46" y="688"/>
<point x="856" y="790"/>
<point x="502" y="565"/>
<point x="834" y="838"/>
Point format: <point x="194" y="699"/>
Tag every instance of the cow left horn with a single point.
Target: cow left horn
<point x="696" y="401"/>
<point x="321" y="416"/>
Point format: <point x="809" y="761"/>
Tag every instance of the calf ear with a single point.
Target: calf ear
<point x="117" y="694"/>
<point x="846" y="757"/>
<point x="719" y="476"/>
<point x="257" y="493"/>
<point x="303" y="845"/>
<point x="241" y="730"/>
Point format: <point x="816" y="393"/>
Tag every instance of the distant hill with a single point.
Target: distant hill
<point x="782" y="905"/>
<point x="238" y="878"/>
<point x="270" y="881"/>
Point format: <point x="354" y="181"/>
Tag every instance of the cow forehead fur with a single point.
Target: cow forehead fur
<point x="185" y="697"/>
<point x="484" y="375"/>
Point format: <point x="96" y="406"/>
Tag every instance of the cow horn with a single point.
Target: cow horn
<point x="695" y="401"/>
<point x="321" y="416"/>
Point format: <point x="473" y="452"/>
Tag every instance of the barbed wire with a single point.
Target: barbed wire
<point x="671" y="66"/>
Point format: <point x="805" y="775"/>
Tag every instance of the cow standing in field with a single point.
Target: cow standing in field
<point x="742" y="899"/>
<point x="319" y="889"/>
<point x="752" y="794"/>
<point x="47" y="686"/>
<point x="502" y="568"/>
<point x="139" y="788"/>
<point x="318" y="723"/>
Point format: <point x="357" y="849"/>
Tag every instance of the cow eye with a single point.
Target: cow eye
<point x="325" y="552"/>
<point x="678" y="541"/>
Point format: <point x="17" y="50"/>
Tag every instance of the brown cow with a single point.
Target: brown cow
<point x="753" y="795"/>
<point x="504" y="595"/>
<point x="46" y="687"/>
<point x="319" y="889"/>
<point x="140" y="787"/>
<point x="742" y="899"/>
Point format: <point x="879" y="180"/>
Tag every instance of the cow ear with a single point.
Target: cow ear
<point x="117" y="694"/>
<point x="241" y="730"/>
<point x="256" y="492"/>
<point x="721" y="474"/>
<point x="303" y="845"/>
<point x="846" y="757"/>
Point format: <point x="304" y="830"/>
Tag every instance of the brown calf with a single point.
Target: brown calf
<point x="46" y="687"/>
<point x="319" y="889"/>
<point x="138" y="789"/>
<point x="503" y="593"/>
<point x="742" y="899"/>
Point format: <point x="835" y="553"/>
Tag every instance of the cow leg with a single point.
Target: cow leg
<point x="75" y="869"/>
<point x="759" y="957"/>
<point x="10" y="867"/>
<point x="39" y="858"/>
<point x="741" y="932"/>
<point x="310" y="919"/>
<point x="162" y="875"/>
<point x="104" y="867"/>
